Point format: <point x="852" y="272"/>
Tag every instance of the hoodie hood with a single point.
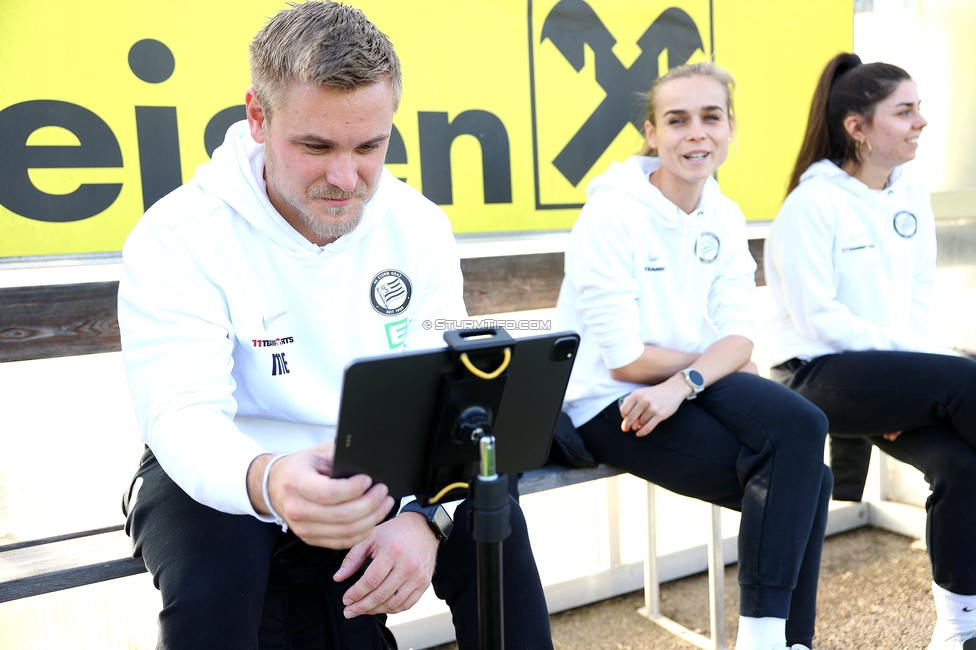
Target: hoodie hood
<point x="828" y="171"/>
<point x="235" y="175"/>
<point x="632" y="178"/>
<point x="849" y="267"/>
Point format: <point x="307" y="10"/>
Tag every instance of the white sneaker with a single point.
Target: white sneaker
<point x="799" y="646"/>
<point x="957" y="642"/>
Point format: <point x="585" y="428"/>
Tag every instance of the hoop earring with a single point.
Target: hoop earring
<point x="857" y="149"/>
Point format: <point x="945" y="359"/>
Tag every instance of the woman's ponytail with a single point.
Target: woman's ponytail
<point x="817" y="139"/>
<point x="846" y="87"/>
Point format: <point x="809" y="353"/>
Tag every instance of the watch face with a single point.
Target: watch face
<point x="442" y="522"/>
<point x="696" y="378"/>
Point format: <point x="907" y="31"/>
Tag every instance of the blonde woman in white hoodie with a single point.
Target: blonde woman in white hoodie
<point x="850" y="264"/>
<point x="659" y="282"/>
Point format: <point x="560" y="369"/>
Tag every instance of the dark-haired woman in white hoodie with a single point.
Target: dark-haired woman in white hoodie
<point x="850" y="264"/>
<point x="659" y="283"/>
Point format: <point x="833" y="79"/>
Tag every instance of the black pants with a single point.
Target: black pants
<point x="231" y="581"/>
<point x="932" y="398"/>
<point x="747" y="444"/>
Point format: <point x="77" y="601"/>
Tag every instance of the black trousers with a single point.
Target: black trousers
<point x="932" y="398"/>
<point x="747" y="444"/>
<point x="231" y="581"/>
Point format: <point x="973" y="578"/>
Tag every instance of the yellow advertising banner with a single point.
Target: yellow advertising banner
<point x="510" y="107"/>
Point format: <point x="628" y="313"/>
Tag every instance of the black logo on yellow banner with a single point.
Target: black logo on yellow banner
<point x="586" y="62"/>
<point x="157" y="134"/>
<point x="572" y="27"/>
<point x="156" y="130"/>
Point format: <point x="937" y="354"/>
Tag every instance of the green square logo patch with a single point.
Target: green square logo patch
<point x="396" y="333"/>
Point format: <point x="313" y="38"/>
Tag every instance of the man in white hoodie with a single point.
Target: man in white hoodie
<point x="245" y="294"/>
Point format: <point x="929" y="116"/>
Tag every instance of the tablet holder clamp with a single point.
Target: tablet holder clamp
<point x="470" y="400"/>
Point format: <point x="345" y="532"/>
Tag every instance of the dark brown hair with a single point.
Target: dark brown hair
<point x="846" y="87"/>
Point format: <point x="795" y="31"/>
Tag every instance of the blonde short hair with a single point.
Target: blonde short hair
<point x="321" y="43"/>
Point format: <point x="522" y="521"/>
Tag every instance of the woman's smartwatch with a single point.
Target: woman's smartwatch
<point x="439" y="521"/>
<point x="694" y="379"/>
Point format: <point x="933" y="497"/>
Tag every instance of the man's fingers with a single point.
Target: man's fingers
<point x="331" y="491"/>
<point x="351" y="563"/>
<point x="327" y="506"/>
<point x="410" y="600"/>
<point x="377" y="585"/>
<point x="318" y="531"/>
<point x="402" y="599"/>
<point x="324" y="454"/>
<point x="389" y="597"/>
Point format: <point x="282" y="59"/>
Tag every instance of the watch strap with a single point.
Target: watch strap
<point x="694" y="380"/>
<point x="439" y="521"/>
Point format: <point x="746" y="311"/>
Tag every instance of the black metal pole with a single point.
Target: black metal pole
<point x="490" y="525"/>
<point x="491" y="622"/>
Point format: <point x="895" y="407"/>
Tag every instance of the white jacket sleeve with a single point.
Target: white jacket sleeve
<point x="599" y="265"/>
<point x="177" y="344"/>
<point x="801" y="248"/>
<point x="732" y="296"/>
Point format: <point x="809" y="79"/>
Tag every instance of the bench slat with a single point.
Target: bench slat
<point x="495" y="285"/>
<point x="74" y="319"/>
<point x="555" y="476"/>
<point x="58" y="320"/>
<point x="41" y="569"/>
<point x="70" y="578"/>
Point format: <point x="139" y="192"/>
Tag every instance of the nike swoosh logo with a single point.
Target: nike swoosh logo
<point x="967" y="609"/>
<point x="267" y="321"/>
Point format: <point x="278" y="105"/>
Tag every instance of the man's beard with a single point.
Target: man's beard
<point x="334" y="229"/>
<point x="330" y="230"/>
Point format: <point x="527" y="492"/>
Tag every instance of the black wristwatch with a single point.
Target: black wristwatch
<point x="439" y="521"/>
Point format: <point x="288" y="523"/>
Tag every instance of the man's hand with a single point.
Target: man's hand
<point x="404" y="551"/>
<point x="645" y="408"/>
<point x="322" y="511"/>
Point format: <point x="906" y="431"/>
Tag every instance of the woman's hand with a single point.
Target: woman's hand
<point x="645" y="408"/>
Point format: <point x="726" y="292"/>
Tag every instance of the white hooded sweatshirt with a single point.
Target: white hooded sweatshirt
<point x="639" y="270"/>
<point x="850" y="268"/>
<point x="236" y="329"/>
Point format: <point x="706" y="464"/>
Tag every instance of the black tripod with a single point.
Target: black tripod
<point x="490" y="525"/>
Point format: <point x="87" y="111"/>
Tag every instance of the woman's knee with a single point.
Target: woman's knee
<point x="788" y="417"/>
<point x="805" y="429"/>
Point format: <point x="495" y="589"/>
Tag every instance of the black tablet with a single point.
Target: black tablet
<point x="390" y="409"/>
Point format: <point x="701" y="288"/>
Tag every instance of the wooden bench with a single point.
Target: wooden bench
<point x="43" y="322"/>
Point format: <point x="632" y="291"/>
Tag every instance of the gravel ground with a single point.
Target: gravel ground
<point x="875" y="592"/>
